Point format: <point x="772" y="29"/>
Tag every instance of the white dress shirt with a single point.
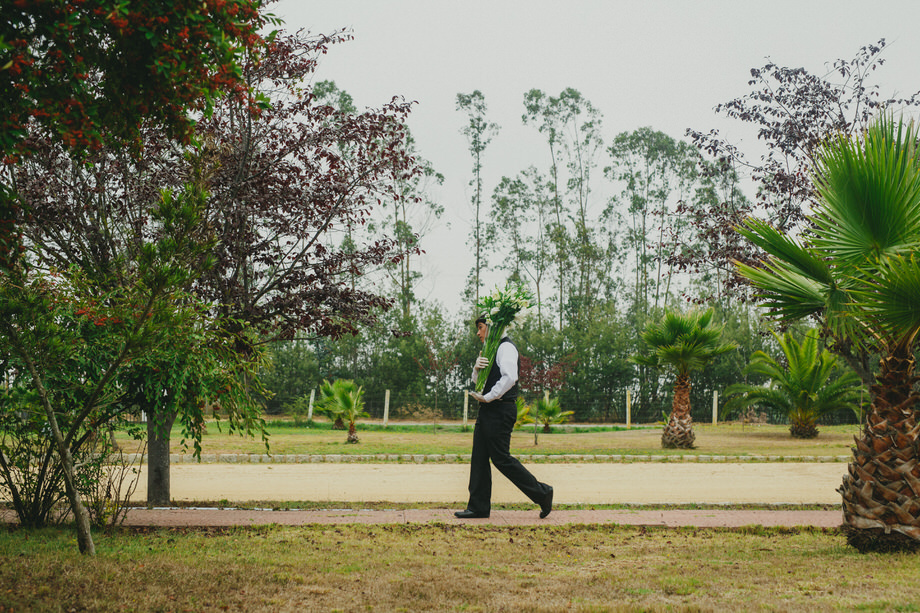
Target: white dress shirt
<point x="507" y="360"/>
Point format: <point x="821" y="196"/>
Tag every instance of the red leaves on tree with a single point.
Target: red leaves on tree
<point x="282" y="185"/>
<point x="537" y="377"/>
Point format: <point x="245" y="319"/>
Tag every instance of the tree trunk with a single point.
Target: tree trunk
<point x="80" y="514"/>
<point x="803" y="426"/>
<point x="158" y="435"/>
<point x="678" y="433"/>
<point x="881" y="492"/>
<point x="352" y="433"/>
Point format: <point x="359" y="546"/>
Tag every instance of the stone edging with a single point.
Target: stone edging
<point x="233" y="458"/>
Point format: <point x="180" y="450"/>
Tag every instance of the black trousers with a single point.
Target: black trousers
<point x="492" y="441"/>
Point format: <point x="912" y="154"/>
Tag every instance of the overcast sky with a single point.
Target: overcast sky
<point x="658" y="63"/>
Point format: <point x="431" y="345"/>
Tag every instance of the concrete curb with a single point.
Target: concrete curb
<point x="383" y="458"/>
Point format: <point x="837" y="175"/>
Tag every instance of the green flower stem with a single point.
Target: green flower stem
<point x="489" y="349"/>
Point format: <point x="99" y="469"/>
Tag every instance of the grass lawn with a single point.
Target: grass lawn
<point x="730" y="439"/>
<point x="437" y="567"/>
<point x="452" y="568"/>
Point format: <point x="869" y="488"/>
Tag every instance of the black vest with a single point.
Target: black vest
<point x="495" y="374"/>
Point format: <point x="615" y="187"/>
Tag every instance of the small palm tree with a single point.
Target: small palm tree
<point x="523" y="412"/>
<point x="549" y="412"/>
<point x="343" y="401"/>
<point x="683" y="343"/>
<point x="809" y="386"/>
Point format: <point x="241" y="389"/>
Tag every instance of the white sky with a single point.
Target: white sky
<point x="658" y="63"/>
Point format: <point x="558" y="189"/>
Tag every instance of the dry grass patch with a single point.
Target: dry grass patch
<point x="453" y="568"/>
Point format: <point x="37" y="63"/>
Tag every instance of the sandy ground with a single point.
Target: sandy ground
<point x="637" y="483"/>
<point x="607" y="483"/>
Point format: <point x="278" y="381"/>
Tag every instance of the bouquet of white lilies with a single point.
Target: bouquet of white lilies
<point x="500" y="310"/>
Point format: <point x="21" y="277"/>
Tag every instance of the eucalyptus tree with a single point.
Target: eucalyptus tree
<point x="409" y="215"/>
<point x="572" y="127"/>
<point x="701" y="250"/>
<point x="857" y="272"/>
<point x="406" y="216"/>
<point x="439" y="361"/>
<point x="656" y="173"/>
<point x="291" y="370"/>
<point x="542" y="112"/>
<point x="524" y="205"/>
<point x="479" y="132"/>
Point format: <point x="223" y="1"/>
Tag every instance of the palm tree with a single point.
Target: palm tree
<point x="684" y="342"/>
<point x="343" y="401"/>
<point x="523" y="412"/>
<point x="550" y="412"/>
<point x="856" y="271"/>
<point x="808" y="387"/>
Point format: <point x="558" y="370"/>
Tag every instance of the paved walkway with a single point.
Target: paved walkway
<point x="647" y="483"/>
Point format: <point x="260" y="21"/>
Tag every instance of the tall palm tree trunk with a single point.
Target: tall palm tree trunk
<point x="881" y="493"/>
<point x="678" y="433"/>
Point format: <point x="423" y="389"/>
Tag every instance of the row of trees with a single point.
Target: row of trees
<point x="851" y="272"/>
<point x="604" y="267"/>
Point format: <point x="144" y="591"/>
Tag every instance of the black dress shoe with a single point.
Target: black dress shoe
<point x="547" y="505"/>
<point x="467" y="514"/>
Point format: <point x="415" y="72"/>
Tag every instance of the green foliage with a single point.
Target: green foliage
<point x="683" y="342"/>
<point x="342" y="401"/>
<point x="523" y="412"/>
<point x="809" y="385"/>
<point x="72" y="345"/>
<point x="290" y="371"/>
<point x="28" y="469"/>
<point x="89" y="72"/>
<point x="855" y="269"/>
<point x="549" y="412"/>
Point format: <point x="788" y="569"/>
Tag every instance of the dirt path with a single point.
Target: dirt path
<point x="600" y="483"/>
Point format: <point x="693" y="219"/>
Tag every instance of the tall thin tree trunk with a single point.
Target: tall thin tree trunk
<point x="81" y="515"/>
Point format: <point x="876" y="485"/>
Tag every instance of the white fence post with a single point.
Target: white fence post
<point x="628" y="409"/>
<point x="310" y="408"/>
<point x="466" y="406"/>
<point x="386" y="408"/>
<point x="715" y="407"/>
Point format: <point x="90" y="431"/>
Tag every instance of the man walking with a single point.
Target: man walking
<point x="492" y="433"/>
